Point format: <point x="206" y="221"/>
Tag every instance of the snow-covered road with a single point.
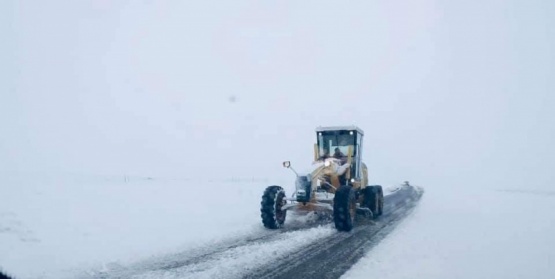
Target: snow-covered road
<point x="302" y="249"/>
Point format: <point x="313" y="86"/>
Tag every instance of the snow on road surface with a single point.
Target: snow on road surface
<point x="464" y="233"/>
<point x="238" y="261"/>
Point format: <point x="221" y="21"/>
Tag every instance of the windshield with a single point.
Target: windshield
<point x="333" y="141"/>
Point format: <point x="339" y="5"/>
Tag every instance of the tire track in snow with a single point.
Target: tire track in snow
<point x="203" y="253"/>
<point x="236" y="262"/>
<point x="198" y="255"/>
<point x="331" y="257"/>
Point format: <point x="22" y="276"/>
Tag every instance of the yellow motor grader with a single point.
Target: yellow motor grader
<point x="336" y="183"/>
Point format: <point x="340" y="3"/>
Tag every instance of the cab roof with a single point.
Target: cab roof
<point x="339" y="128"/>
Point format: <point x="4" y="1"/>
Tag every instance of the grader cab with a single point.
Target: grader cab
<point x="337" y="183"/>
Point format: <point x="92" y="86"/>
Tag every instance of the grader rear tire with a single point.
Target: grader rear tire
<point x="373" y="199"/>
<point x="344" y="208"/>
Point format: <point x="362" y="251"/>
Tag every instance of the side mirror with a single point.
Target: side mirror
<point x="287" y="164"/>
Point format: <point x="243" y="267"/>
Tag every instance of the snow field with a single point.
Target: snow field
<point x="462" y="233"/>
<point x="53" y="227"/>
<point x="60" y="227"/>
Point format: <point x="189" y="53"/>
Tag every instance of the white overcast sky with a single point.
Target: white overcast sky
<point x="445" y="90"/>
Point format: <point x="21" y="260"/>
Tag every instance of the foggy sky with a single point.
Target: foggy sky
<point x="444" y="90"/>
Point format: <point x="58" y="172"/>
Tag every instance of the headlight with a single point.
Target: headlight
<point x="327" y="163"/>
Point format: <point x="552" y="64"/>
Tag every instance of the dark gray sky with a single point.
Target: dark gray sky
<point x="445" y="90"/>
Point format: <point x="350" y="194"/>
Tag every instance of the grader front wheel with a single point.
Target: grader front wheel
<point x="344" y="208"/>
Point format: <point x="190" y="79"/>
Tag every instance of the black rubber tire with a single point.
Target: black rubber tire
<point x="380" y="199"/>
<point x="373" y="199"/>
<point x="270" y="207"/>
<point x="344" y="208"/>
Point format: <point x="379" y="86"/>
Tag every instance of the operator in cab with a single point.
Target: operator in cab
<point x="338" y="154"/>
